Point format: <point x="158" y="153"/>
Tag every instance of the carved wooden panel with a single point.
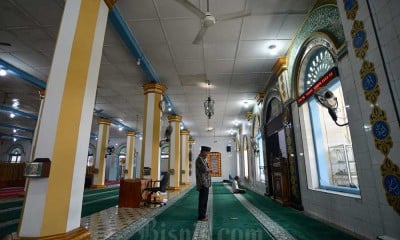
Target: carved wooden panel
<point x="214" y="162"/>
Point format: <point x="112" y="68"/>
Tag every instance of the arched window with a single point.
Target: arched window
<point x="257" y="146"/>
<point x="245" y="158"/>
<point x="14" y="155"/>
<point x="328" y="148"/>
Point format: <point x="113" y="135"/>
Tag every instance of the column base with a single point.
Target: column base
<point x="79" y="233"/>
<point x="98" y="186"/>
<point x="173" y="188"/>
<point x="186" y="183"/>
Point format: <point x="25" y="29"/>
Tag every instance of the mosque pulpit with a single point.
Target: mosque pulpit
<point x="280" y="181"/>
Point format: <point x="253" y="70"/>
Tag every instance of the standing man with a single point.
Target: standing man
<point x="203" y="182"/>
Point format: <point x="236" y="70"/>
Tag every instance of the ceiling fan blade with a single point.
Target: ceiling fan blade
<point x="230" y="16"/>
<point x="200" y="35"/>
<point x="5" y="44"/>
<point x="192" y="8"/>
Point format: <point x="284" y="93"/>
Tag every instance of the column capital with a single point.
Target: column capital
<point x="131" y="133"/>
<point x="154" y="88"/>
<point x="174" y="118"/>
<point x="280" y="65"/>
<point x="191" y="140"/>
<point x="260" y="97"/>
<point x="104" y="121"/>
<point x="110" y="3"/>
<point x="185" y="132"/>
<point x="42" y="93"/>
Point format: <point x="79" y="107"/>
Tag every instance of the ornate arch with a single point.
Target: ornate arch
<point x="324" y="21"/>
<point x="316" y="42"/>
<point x="16" y="146"/>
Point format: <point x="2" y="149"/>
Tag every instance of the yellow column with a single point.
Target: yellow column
<point x="53" y="204"/>
<point x="151" y="129"/>
<point x="175" y="152"/>
<point x="185" y="157"/>
<point x="100" y="160"/>
<point x="130" y="154"/>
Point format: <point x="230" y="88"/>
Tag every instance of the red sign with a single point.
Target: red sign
<point x="331" y="74"/>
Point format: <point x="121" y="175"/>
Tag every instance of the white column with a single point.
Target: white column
<point x="101" y="150"/>
<point x="151" y="130"/>
<point x="185" y="157"/>
<point x="175" y="152"/>
<point x="130" y="154"/>
<point x="53" y="204"/>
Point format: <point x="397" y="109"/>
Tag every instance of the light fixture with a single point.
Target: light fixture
<point x="138" y="61"/>
<point x="15" y="103"/>
<point x="273" y="49"/>
<point x="12" y="115"/>
<point x="3" y="72"/>
<point x="209" y="103"/>
<point x="14" y="130"/>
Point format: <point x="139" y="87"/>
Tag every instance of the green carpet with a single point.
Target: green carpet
<point x="231" y="220"/>
<point x="11" y="203"/>
<point x="176" y="222"/>
<point x="108" y="197"/>
<point x="295" y="222"/>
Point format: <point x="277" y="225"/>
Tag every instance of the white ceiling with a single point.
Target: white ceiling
<point x="233" y="56"/>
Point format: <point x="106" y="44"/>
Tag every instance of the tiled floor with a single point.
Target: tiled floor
<point x="121" y="223"/>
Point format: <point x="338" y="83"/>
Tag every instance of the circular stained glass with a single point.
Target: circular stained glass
<point x="369" y="81"/>
<point x="392" y="185"/>
<point x="359" y="39"/>
<point x="349" y="4"/>
<point x="380" y="130"/>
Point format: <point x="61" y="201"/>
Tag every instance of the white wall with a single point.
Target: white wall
<point x="372" y="216"/>
<point x="228" y="160"/>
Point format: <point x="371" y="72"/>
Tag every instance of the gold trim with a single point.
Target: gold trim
<point x="185" y="132"/>
<point x="260" y="97"/>
<point x="79" y="233"/>
<point x="104" y="121"/>
<point x="173" y="188"/>
<point x="174" y="118"/>
<point x="98" y="186"/>
<point x="280" y="65"/>
<point x="131" y="133"/>
<point x="154" y="88"/>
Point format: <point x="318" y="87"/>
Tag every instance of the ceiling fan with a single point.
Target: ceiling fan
<point x="208" y="19"/>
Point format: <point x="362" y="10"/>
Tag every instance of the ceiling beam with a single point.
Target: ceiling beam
<point x="127" y="37"/>
<point x="22" y="74"/>
<point x="5" y="125"/>
<point x="17" y="112"/>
